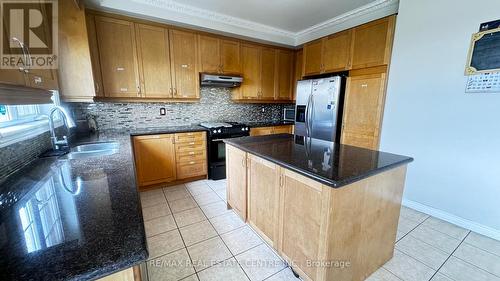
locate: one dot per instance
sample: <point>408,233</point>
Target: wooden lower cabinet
<point>236,166</point>
<point>325,233</point>
<point>262,131</point>
<point>263,198</point>
<point>155,159</point>
<point>304,207</point>
<point>170,157</point>
<point>130,274</point>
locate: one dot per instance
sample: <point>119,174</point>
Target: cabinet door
<point>336,51</point>
<point>263,198</point>
<point>262,131</point>
<point>43,78</point>
<point>250,60</point>
<point>154,61</point>
<point>363,108</point>
<point>268,70</point>
<point>286,129</point>
<point>118,57</point>
<point>285,75</point>
<point>236,171</point>
<point>94,54</point>
<point>75,68</point>
<point>303,209</point>
<point>312,57</point>
<point>372,43</point>
<point>230,56</point>
<point>209,54</point>
<point>183,50</point>
<point>155,159</point>
<point>11,76</point>
<point>299,61</point>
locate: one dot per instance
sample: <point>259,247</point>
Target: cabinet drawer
<point>184,158</point>
<point>190,146</point>
<point>189,137</point>
<point>191,169</point>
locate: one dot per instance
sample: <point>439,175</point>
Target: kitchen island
<point>330,210</point>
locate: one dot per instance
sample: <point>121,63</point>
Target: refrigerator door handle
<point>311,115</point>
<point>308,110</point>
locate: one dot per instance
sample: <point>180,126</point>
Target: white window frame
<point>27,127</point>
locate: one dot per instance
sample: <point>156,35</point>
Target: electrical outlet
<point>163,111</point>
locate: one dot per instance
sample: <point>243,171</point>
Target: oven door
<point>217,151</point>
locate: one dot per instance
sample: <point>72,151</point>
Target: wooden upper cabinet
<point>185,73</point>
<point>363,109</point>
<point>372,43</point>
<point>285,75</point>
<point>209,54</point>
<point>336,52</point>
<point>118,57</point>
<point>250,61</point>
<point>11,76</point>
<point>268,70</point>
<point>230,56</point>
<point>155,159</point>
<point>76,80</point>
<point>219,55</point>
<point>154,61</point>
<point>299,61</point>
<point>313,58</point>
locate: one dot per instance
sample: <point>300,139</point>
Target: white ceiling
<point>282,22</point>
<point>289,15</point>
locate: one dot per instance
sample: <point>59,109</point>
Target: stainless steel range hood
<point>215,80</point>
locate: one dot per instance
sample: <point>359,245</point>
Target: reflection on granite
<point>330,163</point>
<point>66,219</point>
<point>268,123</point>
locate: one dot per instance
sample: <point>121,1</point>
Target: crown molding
<point>369,12</point>
<point>190,16</point>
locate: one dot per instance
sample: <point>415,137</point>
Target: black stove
<point>218,131</point>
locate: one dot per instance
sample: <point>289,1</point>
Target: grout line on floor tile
<point>410,230</point>
<point>184,243</point>
<point>449,257</point>
<point>495,254</point>
<point>401,278</point>
<point>482,269</point>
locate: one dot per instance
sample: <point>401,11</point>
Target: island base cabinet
<point>236,171</point>
<point>263,198</point>
<point>324,233</point>
<point>304,211</point>
<point>339,233</point>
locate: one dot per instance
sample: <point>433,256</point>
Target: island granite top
<point>332,164</point>
<point>64,219</point>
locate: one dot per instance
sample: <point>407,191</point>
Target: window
<point>11,115</point>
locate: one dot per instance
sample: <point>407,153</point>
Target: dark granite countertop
<point>332,164</point>
<point>268,123</point>
<point>66,219</point>
<point>167,130</point>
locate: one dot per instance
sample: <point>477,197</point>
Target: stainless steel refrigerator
<point>318,109</point>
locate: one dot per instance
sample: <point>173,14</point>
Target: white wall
<point>453,136</point>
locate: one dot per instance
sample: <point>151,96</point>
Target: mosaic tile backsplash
<point>215,105</point>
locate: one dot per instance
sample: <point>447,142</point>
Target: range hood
<point>215,80</point>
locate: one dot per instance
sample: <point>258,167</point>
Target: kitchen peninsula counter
<point>330,210</point>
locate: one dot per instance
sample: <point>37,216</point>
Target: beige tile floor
<point>192,236</point>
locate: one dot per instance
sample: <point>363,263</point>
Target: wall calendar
<point>484,83</point>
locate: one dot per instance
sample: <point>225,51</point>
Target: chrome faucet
<point>68,122</point>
